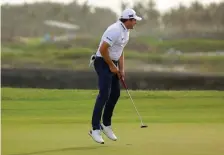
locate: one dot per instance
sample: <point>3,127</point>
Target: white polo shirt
<point>117,35</point>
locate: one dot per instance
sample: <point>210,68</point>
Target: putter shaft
<point>125,86</point>
<point>135,107</point>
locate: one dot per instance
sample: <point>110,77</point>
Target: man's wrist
<point>122,70</point>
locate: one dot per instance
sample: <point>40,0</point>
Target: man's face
<point>131,23</point>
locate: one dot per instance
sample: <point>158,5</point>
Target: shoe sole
<point>94,139</point>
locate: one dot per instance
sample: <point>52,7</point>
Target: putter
<point>125,86</point>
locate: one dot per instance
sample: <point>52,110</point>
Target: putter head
<point>144,126</point>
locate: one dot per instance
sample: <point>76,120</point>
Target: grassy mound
<point>75,55</point>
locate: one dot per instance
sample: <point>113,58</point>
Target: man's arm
<point>121,62</point>
<point>110,37</point>
<point>105,54</point>
<point>121,65</point>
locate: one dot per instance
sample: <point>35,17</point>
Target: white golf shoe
<point>95,134</point>
<point>107,130</point>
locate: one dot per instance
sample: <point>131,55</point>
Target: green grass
<point>56,122</point>
<point>192,45</point>
<point>184,45</point>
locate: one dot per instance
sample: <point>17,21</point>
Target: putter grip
<point>124,85</point>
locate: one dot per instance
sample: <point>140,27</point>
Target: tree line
<point>28,19</point>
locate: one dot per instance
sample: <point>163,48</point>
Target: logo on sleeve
<point>109,39</point>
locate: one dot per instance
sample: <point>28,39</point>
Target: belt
<point>115,61</point>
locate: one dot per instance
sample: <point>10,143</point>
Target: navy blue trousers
<point>109,93</point>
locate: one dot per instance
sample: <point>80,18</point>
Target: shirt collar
<point>123,26</point>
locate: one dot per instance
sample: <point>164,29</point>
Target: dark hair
<point>124,20</point>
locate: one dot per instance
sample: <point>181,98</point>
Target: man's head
<point>129,18</point>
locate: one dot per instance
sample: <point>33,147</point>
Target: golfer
<point>109,66</point>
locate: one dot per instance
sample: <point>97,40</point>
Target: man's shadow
<point>79,148</point>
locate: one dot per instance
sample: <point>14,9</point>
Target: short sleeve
<point>111,36</point>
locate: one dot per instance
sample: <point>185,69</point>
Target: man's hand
<point>114,69</point>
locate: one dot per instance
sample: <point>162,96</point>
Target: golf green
<point>56,122</point>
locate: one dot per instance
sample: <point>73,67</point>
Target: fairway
<point>56,122</point>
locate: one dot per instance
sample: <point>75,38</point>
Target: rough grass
<point>77,58</point>
<point>192,45</point>
<point>56,122</point>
